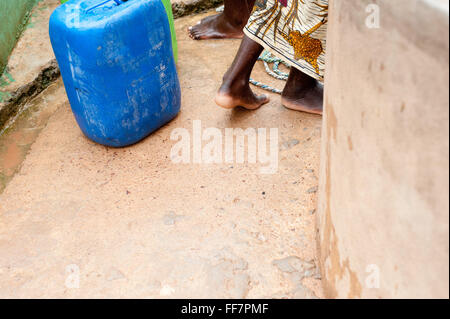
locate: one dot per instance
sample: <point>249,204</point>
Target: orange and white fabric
<point>293,30</point>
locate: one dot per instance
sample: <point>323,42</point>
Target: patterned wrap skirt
<point>293,30</point>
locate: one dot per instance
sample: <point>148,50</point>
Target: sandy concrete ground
<point>35,38</point>
<point>32,65</point>
<point>130,223</point>
<point>17,139</point>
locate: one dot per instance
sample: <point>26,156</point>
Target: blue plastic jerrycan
<point>117,65</point>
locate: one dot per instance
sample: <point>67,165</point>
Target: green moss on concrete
<point>6,79</point>
<point>13,16</point>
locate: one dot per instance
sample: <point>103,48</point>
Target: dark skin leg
<point>235,90</point>
<point>226,25</point>
<point>301,93</point>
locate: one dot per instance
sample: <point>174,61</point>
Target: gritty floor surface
<point>83,220</point>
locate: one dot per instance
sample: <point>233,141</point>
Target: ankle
<point>298,87</point>
<point>233,84</point>
<point>235,22</point>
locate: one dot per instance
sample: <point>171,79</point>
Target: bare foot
<point>234,95</point>
<point>303,93</point>
<point>216,27</point>
<point>235,90</point>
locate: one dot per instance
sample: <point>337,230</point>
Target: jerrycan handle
<point>119,2</point>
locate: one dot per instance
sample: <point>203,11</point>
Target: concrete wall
<point>12,16</point>
<point>384,205</point>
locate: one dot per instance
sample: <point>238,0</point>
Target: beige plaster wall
<point>383,207</point>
